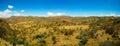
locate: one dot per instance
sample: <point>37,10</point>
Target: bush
<point>109,30</point>
<point>117,42</point>
<point>43,35</point>
<point>2,32</point>
<point>67,31</point>
<point>80,44</point>
<point>106,43</point>
<point>79,37</point>
<point>26,43</point>
<point>83,37</point>
<point>92,33</point>
<point>41,38</point>
<point>84,40</point>
<point>54,39</point>
<point>42,42</point>
<point>20,41</point>
<point>115,35</point>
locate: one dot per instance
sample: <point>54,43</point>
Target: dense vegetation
<point>60,31</point>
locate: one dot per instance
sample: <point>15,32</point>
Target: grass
<point>54,31</point>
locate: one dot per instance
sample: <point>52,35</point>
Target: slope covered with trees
<point>60,31</point>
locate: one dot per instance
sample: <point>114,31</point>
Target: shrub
<point>20,41</point>
<point>106,43</point>
<point>79,37</point>
<point>2,32</point>
<point>43,35</point>
<point>54,39</point>
<point>80,44</point>
<point>109,30</point>
<point>42,42</point>
<point>26,43</point>
<point>115,35</point>
<point>67,31</point>
<point>84,40</point>
<point>39,36</point>
<point>92,33</point>
<point>83,37</point>
<point>117,42</point>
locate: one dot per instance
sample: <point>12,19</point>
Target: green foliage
<point>43,35</point>
<point>115,35</point>
<point>79,37</point>
<point>4,28</point>
<point>42,42</point>
<point>26,43</point>
<point>92,33</point>
<point>20,41</point>
<point>67,31</point>
<point>82,35</point>
<point>84,38</point>
<point>54,39</point>
<point>109,30</point>
<point>2,32</point>
<point>41,38</point>
<point>80,44</point>
<point>117,42</point>
<point>106,43</point>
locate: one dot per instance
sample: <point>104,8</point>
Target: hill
<point>60,31</point>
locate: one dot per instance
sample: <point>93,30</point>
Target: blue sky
<point>62,7</point>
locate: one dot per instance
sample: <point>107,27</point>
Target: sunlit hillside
<point>59,31</point>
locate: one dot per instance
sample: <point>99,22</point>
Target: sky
<point>59,7</point>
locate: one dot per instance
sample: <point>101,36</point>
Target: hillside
<point>60,31</point>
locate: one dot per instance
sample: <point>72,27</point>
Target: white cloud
<point>59,14</point>
<point>50,13</point>
<point>2,14</point>
<point>54,14</point>
<point>10,6</point>
<point>112,14</point>
<point>22,11</point>
<point>7,11</point>
<point>16,14</point>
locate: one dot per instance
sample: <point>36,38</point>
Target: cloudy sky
<point>59,7</point>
